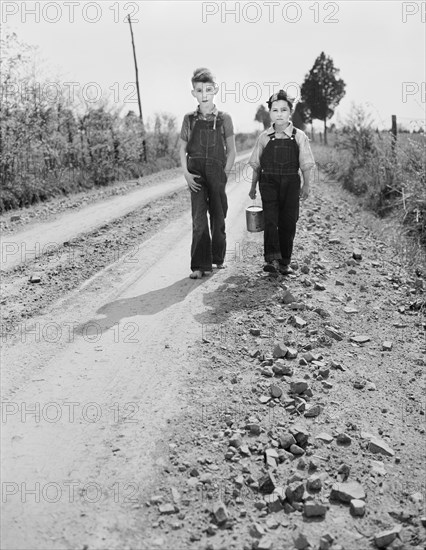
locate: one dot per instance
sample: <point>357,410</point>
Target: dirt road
<point>115,353</point>
<point>119,412</point>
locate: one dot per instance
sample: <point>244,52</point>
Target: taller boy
<point>207,154</point>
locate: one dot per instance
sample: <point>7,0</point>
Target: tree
<point>262,115</point>
<point>300,116</point>
<point>322,90</point>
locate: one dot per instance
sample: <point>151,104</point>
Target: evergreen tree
<point>322,90</point>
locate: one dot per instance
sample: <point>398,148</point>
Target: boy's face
<point>204,93</point>
<point>280,113</point>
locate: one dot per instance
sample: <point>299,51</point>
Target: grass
<point>389,181</point>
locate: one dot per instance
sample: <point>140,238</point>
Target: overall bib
<point>280,189</point>
<point>207,159</point>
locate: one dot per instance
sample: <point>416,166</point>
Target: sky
<point>253,47</point>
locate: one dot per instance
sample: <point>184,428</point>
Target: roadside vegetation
<point>53,144</point>
<point>388,176</point>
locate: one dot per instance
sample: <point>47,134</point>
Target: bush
<point>390,177</point>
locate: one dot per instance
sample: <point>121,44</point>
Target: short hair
<point>281,94</point>
<point>202,75</point>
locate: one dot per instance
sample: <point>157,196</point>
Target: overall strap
<point>193,117</point>
<point>293,134</point>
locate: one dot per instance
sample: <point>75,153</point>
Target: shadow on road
<point>236,294</point>
<point>146,304</point>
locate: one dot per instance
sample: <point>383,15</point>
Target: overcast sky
<point>379,47</point>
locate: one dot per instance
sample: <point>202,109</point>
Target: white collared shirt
<point>306,158</point>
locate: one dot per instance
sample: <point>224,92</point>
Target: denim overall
<point>207,159</point>
<point>280,189</point>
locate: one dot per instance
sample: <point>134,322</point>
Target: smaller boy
<point>207,154</point>
<point>278,155</point>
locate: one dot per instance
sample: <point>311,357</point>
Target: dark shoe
<point>272,267</point>
<point>220,266</point>
<point>286,270</point>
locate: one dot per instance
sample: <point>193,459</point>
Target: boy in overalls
<point>278,155</point>
<point>207,153</point>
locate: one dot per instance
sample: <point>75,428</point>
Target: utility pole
<point>394,132</point>
<point>137,85</point>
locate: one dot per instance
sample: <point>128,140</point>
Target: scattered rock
<point>220,512</point>
<point>257,530</point>
<point>298,386</point>
<point>387,346</point>
<point>276,391</point>
<point>357,507</point>
<point>344,439</point>
<point>298,322</point>
<point>359,384</point>
<point>362,339</point>
<point>385,538</point>
<point>333,333</point>
<point>314,482</point>
<point>255,331</point>
<point>350,310</point>
<point>280,350</point>
<point>35,278</point>
<point>288,298</point>
<point>294,491</point>
<point>282,369</point>
<point>291,353</point>
<point>325,542</point>
<point>286,440</point>
<point>343,472</point>
<point>377,445</point>
<point>267,483</point>
<point>314,508</point>
<point>235,440</point>
<point>345,492</point>
<point>313,411</point>
<point>300,541</point>
<point>253,428</point>
<point>167,509</point>
<point>327,438</point>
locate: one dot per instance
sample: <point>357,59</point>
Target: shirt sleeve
<point>184,133</point>
<point>306,158</point>
<point>254,160</point>
<point>228,126</point>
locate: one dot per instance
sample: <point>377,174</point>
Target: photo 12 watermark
<point>413,91</point>
<point>270,12</point>
<point>23,253</point>
<point>413,11</point>
<point>72,92</point>
<point>52,12</point>
<point>69,412</point>
<point>71,491</point>
<point>92,332</point>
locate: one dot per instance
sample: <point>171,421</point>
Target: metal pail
<point>254,219</point>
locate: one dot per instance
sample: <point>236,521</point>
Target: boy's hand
<point>192,184</point>
<point>304,193</point>
<point>252,193</point>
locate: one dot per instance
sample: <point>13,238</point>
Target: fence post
<point>394,132</point>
